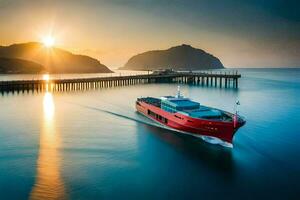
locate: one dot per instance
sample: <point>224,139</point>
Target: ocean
<point>93,145</point>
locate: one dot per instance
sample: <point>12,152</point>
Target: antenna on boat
<point>178,95</point>
<point>235,116</point>
<point>237,103</point>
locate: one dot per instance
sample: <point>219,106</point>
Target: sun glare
<point>48,105</point>
<point>46,77</point>
<point>48,41</point>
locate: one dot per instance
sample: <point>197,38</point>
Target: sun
<point>48,41</point>
<point>46,77</point>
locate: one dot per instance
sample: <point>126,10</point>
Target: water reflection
<point>49,183</point>
<point>48,107</point>
<point>218,158</point>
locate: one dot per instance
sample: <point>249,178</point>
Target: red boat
<point>183,115</point>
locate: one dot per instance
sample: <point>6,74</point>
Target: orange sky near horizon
<point>113,31</point>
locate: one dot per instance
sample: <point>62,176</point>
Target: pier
<point>222,79</point>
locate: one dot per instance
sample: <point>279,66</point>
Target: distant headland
<point>34,57</point>
<point>19,66</point>
<point>183,57</point>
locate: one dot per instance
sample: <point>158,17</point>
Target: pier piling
<point>213,79</point>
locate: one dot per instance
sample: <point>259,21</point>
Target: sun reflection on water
<point>46,77</point>
<point>48,107</point>
<point>49,183</point>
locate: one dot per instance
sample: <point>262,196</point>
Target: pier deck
<point>213,79</point>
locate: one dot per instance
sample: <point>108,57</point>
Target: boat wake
<point>208,139</point>
<point>117,114</point>
<point>214,140</point>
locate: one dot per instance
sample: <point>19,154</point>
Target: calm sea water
<point>8,77</point>
<point>93,145</point>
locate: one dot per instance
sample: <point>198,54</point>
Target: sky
<point>246,33</point>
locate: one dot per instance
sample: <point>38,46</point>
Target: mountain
<point>183,57</point>
<point>19,66</point>
<point>54,60</point>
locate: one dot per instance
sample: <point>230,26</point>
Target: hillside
<point>54,60</point>
<point>19,66</point>
<point>183,57</point>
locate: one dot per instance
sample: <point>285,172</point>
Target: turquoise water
<point>93,145</point>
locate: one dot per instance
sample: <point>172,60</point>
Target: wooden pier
<point>212,79</point>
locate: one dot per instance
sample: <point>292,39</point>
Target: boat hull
<point>206,129</point>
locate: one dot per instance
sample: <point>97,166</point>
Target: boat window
<point>177,117</point>
<point>151,113</point>
<point>165,120</point>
